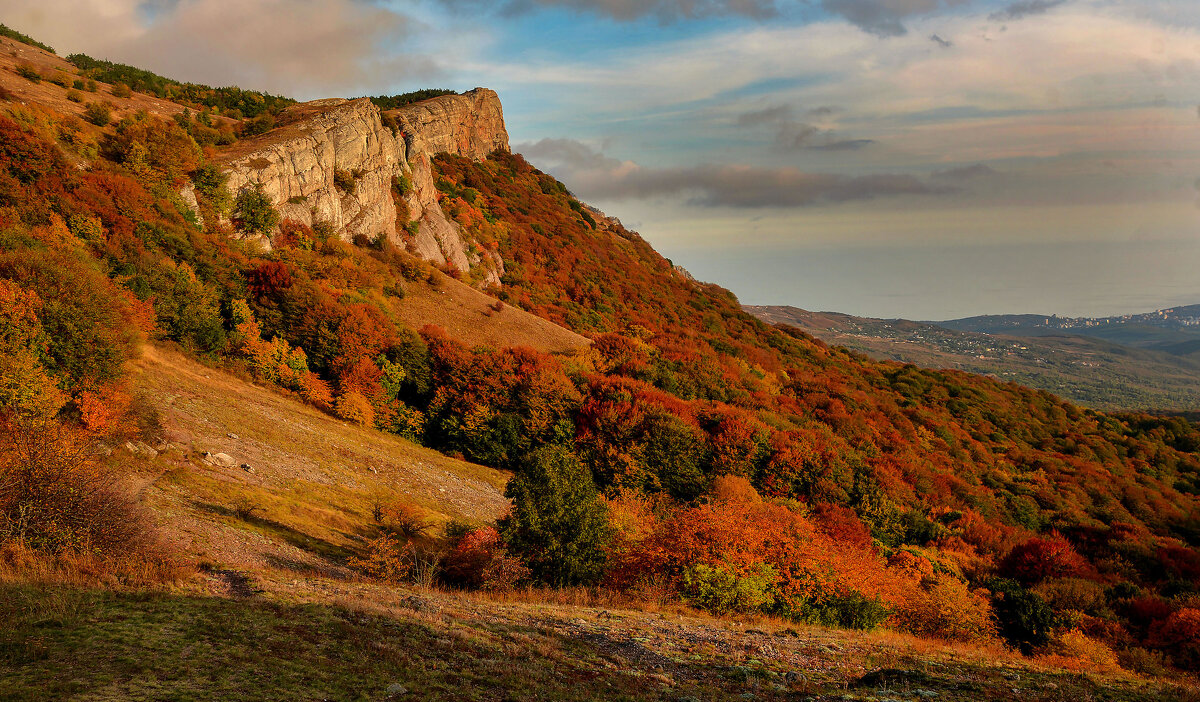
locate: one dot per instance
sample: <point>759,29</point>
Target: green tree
<point>254,212</point>
<point>559,525</point>
<point>1024,617</point>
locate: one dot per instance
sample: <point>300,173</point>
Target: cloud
<point>844,145</point>
<point>792,134</point>
<point>1020,10</point>
<point>627,10</point>
<point>599,177</point>
<point>309,47</point>
<point>944,43</point>
<point>956,175</point>
<point>885,18</point>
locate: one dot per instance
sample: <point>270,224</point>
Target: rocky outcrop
<point>334,161</point>
<point>470,125</point>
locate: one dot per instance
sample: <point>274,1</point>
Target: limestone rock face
<point>470,125</point>
<point>297,165</point>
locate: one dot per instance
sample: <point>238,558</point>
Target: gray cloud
<point>963,173</point>
<point>792,134</point>
<point>1020,10</point>
<point>626,10</point>
<point>844,145</point>
<point>596,176</point>
<point>944,43</point>
<point>883,18</point>
<point>305,47</point>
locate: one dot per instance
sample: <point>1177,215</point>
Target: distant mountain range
<point>1148,361</point>
<point>1175,331</point>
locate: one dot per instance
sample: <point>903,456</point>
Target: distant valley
<point>1148,361</point>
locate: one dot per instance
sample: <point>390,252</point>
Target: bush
<point>98,113</point>
<point>849,610</point>
<point>29,73</point>
<point>121,90</point>
<point>55,498</point>
<point>948,609</point>
<point>253,211</point>
<point>1024,618</point>
<point>558,526</point>
<point>479,560</point>
<point>386,559</point>
<point>210,182</point>
<point>344,180</point>
<point>353,407</point>
<point>259,125</point>
<point>74,95</point>
<point>401,519</point>
<point>720,591</point>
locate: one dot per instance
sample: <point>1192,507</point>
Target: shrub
<point>1179,636</point>
<point>29,73</point>
<point>259,125</point>
<point>948,609</point>
<point>210,182</point>
<point>720,591</point>
<point>55,498</point>
<point>1024,618</point>
<point>344,180</point>
<point>353,407</point>
<point>401,519</point>
<point>1043,557</point>
<point>121,90</point>
<point>848,610</point>
<point>78,84</point>
<point>558,526</point>
<point>385,559</point>
<point>479,560</point>
<point>74,95</point>
<point>1086,653</point>
<point>253,212</point>
<point>98,113</point>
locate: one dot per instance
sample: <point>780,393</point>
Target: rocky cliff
<point>335,161</point>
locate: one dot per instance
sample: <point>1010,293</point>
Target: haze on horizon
<point>927,159</point>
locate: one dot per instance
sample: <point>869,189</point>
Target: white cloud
<point>305,47</point>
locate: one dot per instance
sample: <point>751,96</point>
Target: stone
<point>296,165</point>
<point>141,448</point>
<point>396,690</point>
<point>233,436</point>
<point>223,460</point>
<point>247,467</point>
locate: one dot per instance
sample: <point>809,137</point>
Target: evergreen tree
<point>558,525</point>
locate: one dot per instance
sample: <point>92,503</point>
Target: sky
<point>928,159</point>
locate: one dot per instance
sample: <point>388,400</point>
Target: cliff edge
<point>335,161</point>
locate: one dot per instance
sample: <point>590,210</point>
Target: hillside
<point>603,429</point>
<point>1173,331</point>
<point>272,545</point>
<point>1083,369</point>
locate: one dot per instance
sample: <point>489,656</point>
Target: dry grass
<point>310,499</point>
<point>471,317</point>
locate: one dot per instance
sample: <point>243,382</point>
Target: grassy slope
<point>315,478</point>
<point>311,638</point>
<point>466,314</point>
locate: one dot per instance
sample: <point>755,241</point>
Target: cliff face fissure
<point>307,168</point>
